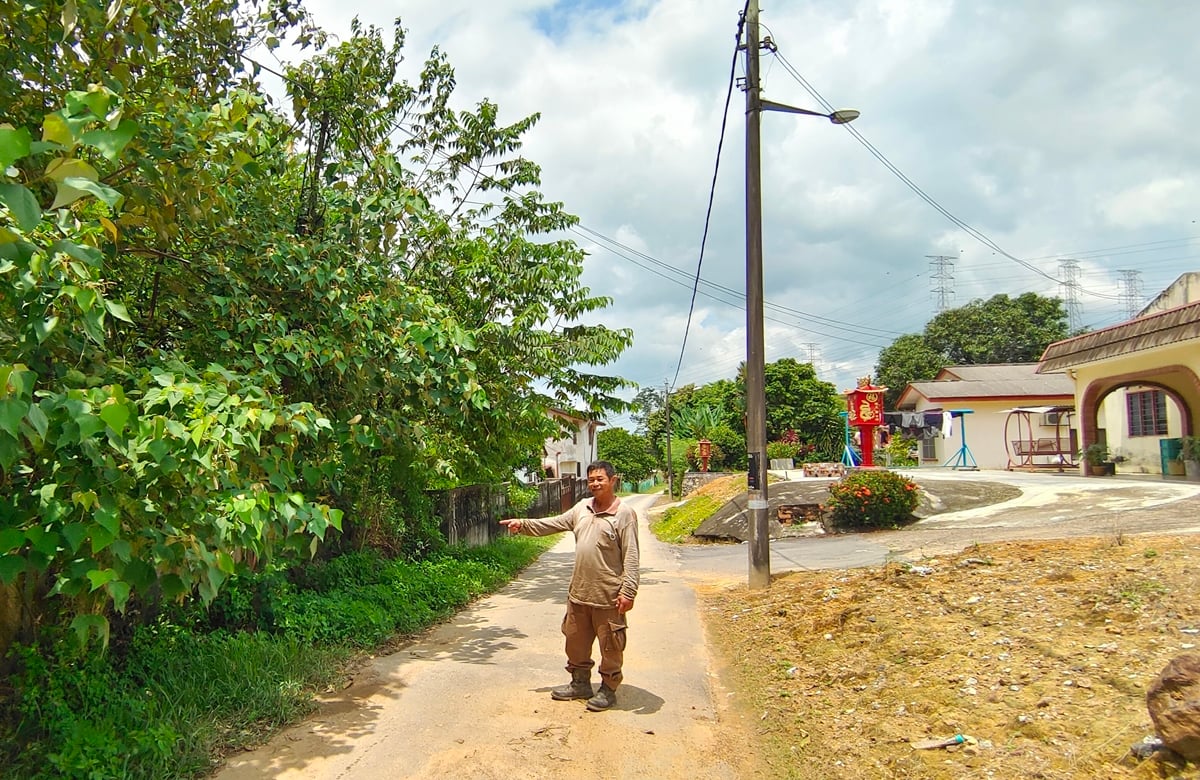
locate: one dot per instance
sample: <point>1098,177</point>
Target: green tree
<point>212,347</point>
<point>797,400</point>
<point>629,453</point>
<point>646,403</point>
<point>998,330</point>
<point>907,359</point>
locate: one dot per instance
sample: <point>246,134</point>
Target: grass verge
<point>178,693</point>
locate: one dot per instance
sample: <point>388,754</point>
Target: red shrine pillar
<point>864,410</point>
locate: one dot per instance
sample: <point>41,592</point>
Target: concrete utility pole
<point>670,463</point>
<point>756,400</point>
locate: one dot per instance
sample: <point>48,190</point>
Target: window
<point>928,449</point>
<point>1147,413</point>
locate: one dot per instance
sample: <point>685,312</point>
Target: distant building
<point>571,453</point>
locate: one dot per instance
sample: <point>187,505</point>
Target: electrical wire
<point>712,191</point>
<point>970,230</point>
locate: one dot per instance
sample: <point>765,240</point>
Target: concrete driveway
<point>1051,506</point>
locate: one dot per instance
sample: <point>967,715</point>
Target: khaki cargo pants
<point>582,626</point>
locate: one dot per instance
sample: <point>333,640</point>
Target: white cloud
<point>1057,129</point>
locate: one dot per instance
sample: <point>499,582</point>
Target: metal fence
<point>470,515</point>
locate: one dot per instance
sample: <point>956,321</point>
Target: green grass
<point>194,684</point>
<point>678,522</point>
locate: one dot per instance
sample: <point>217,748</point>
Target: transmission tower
<point>1131,292</point>
<point>812,353</point>
<point>941,269</point>
<point>1070,293</point>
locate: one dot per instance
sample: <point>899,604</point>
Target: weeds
<point>197,683</point>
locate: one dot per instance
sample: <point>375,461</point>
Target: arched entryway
<point>1177,383</point>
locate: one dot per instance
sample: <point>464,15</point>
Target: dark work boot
<point>604,698</point>
<point>580,686</point>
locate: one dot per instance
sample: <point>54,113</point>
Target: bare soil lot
<point>1040,651</point>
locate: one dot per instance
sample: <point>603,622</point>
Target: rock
<point>1173,700</point>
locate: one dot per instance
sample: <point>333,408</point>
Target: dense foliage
<point>228,332</point>
<point>798,404</point>
<point>192,683</point>
<point>872,499</point>
<point>629,453</point>
<point>997,330</point>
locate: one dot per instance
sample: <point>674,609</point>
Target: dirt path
<point>470,699</point>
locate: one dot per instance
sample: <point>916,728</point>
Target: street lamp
<point>756,401</point>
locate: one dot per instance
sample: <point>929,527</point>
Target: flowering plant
<point>875,499</point>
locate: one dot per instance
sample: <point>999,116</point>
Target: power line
<point>973,232</point>
<point>712,190</point>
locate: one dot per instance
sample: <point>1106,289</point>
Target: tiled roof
<point>1137,335</point>
<point>1047,386</point>
<point>989,371</point>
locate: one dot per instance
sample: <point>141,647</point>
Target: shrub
<point>871,499</point>
<point>782,450</point>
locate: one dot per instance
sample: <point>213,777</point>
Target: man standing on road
<point>603,586</point>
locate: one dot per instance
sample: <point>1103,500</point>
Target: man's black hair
<point>602,465</point>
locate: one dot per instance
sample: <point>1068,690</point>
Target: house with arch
<point>1137,383</point>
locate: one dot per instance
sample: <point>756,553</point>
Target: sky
<point>1037,146</point>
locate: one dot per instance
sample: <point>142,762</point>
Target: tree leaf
<point>11,539</point>
<point>110,142</point>
<point>74,533</point>
<point>118,310</point>
<point>72,188</point>
<point>11,567</point>
<point>14,144</point>
<point>119,592</point>
<point>12,411</point>
<point>116,415</point>
<point>56,130</point>
<point>70,15</point>
<point>22,204</point>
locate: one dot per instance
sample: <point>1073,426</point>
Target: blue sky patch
<point>556,20</point>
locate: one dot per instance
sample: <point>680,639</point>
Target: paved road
<point>1050,506</point>
<point>469,700</point>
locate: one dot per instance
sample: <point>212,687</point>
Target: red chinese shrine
<point>864,410</point>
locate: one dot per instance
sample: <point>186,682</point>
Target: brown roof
<point>988,371</point>
<point>1045,387</point>
<point>1137,335</point>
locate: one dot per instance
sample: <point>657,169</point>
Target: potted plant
<point>1189,453</point>
<point>1095,456</point>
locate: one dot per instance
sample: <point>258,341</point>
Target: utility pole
<point>670,463</point>
<point>756,400</point>
<point>756,412</point>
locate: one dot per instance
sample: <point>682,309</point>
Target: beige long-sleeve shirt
<point>606,551</point>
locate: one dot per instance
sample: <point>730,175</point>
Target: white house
<point>996,436</point>
<point>575,449</point>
